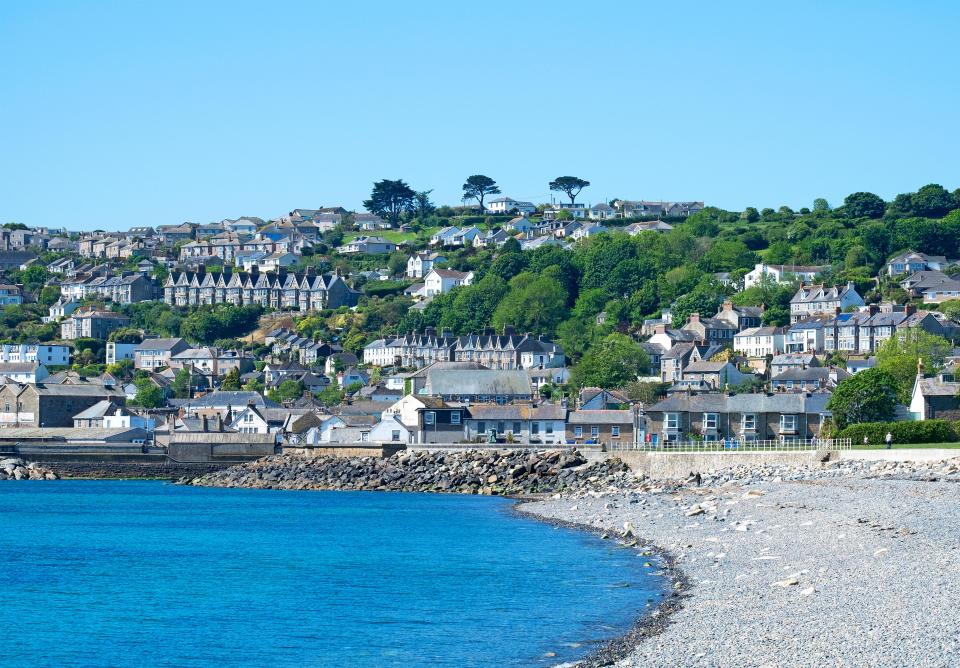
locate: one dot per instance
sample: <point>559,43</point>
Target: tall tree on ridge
<point>479,186</point>
<point>390,199</point>
<point>572,185</point>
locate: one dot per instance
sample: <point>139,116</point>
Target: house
<point>911,262</point>
<point>711,330</point>
<point>760,342</point>
<point>226,403</point>
<point>740,417</point>
<point>444,236</point>
<point>807,335</point>
<point>855,366</point>
<point>107,414</point>
<point>602,212</point>
<point>945,290</point>
<point>781,274</point>
<point>595,398</point>
<point>15,259</point>
<point>22,372</point>
<point>517,423</point>
<point>153,354</point>
<point>442,281</point>
<point>555,377</point>
<point>917,283</point>
<point>295,291</point>
<point>369,222</point>
<point>504,205</point>
<point>519,224</point>
<point>211,361</point>
<point>792,361</point>
<point>352,376</point>
<point>368,246</point>
<point>92,324</point>
<point>430,418</point>
<point>492,239</point>
<point>716,375</point>
<point>213,444</point>
<point>741,317</point>
<point>120,351</point>
<point>679,356</point>
<point>420,264</point>
<point>610,427</point>
<point>10,294</point>
<point>338,362</point>
<point>50,354</point>
<point>587,231</point>
<point>391,430</point>
<point>819,299</point>
<point>811,379</point>
<point>936,398</point>
<point>634,229</point>
<point>666,338</point>
<point>49,405</point>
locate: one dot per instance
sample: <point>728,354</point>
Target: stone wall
<point>679,465</point>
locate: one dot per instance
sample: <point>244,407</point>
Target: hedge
<point>923,431</point>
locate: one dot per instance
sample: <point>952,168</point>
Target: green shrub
<point>923,431</point>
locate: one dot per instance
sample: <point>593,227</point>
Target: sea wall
<point>507,472</point>
<point>679,465</point>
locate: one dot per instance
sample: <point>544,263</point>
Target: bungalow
<point>602,212</point>
<point>503,205</point>
<point>781,273</point>
<point>587,231</point>
<point>811,379</point>
<point>10,294</point>
<point>369,222</point>
<point>717,375</point>
<point>22,372</point>
<point>368,246</point>
<point>519,224</point>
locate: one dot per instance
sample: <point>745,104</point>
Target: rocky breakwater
<point>17,469</point>
<point>501,472</point>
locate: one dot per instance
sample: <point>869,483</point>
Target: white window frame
<point>713,418</point>
<point>784,422</point>
<point>615,431</point>
<point>749,422</point>
<point>455,417</point>
<point>671,421</point>
<point>429,417</point>
<point>578,431</point>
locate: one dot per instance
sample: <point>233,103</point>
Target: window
<point>501,428</point>
<point>517,428</point>
<point>549,429</point>
<point>749,422</point>
<point>711,421</point>
<point>578,431</point>
<point>788,423</point>
<point>365,436</point>
<point>455,417</point>
<point>672,421</point>
<point>594,431</point>
<point>429,417</point>
<point>481,427</point>
<point>395,435</point>
<point>615,432</point>
<point>534,427</point>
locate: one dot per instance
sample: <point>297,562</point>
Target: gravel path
<point>836,570</point>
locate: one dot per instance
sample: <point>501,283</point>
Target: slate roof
<point>478,382</point>
<point>600,417</point>
<point>744,403</point>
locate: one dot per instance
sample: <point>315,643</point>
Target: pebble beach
<point>852,564</point>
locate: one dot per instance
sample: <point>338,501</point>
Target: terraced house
<point>304,292</point>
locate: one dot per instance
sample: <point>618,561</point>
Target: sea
<point>147,573</point>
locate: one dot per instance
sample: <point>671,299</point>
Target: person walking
<point>889,440</point>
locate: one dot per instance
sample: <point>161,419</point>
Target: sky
<point>115,114</point>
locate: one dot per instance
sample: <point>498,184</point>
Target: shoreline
<point>650,621</point>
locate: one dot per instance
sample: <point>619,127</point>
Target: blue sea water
<point>143,573</point>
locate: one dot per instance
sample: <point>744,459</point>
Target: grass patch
<point>908,446</point>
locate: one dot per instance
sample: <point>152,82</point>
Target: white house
<point>503,205</point>
<point>420,264</point>
<point>250,421</point>
<point>120,351</point>
<point>911,262</point>
<point>442,281</point>
<point>602,212</point>
<point>587,231</point>
<point>63,308</point>
<point>391,430</point>
<point>760,341</point>
<point>781,273</point>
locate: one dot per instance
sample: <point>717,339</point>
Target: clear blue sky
<point>126,113</point>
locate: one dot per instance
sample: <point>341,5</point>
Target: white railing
<point>737,445</point>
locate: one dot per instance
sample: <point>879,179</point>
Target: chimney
<point>694,317</point>
<point>219,423</point>
<point>920,367</point>
<point>873,309</point>
<point>837,310</point>
<point>727,305</point>
<point>659,329</point>
<point>910,309</point>
<point>203,422</point>
<point>508,330</point>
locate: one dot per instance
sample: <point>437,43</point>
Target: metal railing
<point>737,445</point>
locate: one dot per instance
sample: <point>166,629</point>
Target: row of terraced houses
<point>293,291</point>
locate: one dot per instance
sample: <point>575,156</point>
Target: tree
<point>49,295</point>
<point>287,391</point>
<point>750,214</point>
<point>149,394</point>
<point>231,382</point>
<point>820,205</point>
<point>534,304</point>
<point>389,199</point>
<point>422,206</point>
<point>571,185</point>
<point>869,396</point>
<point>479,186</point>
<point>646,393</point>
<point>126,335</point>
<point>933,201</point>
<point>864,205</point>
<point>612,362</point>
<point>180,386</point>
<point>900,354</point>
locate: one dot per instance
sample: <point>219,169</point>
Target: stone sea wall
<point>501,472</point>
